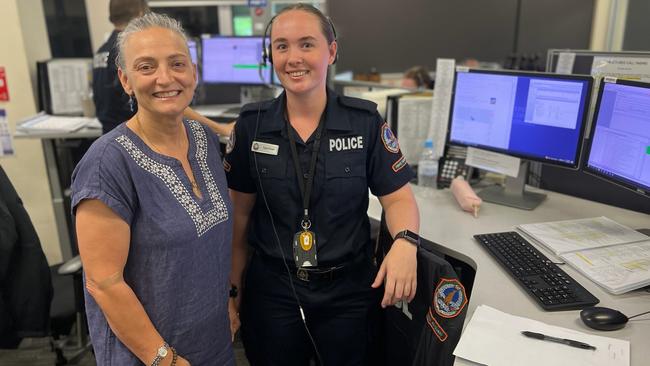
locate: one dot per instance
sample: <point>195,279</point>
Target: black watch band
<point>233,291</point>
<point>410,236</point>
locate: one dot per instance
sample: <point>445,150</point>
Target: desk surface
<point>83,133</point>
<point>443,222</point>
<point>218,110</point>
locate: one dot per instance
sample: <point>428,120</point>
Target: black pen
<point>568,342</point>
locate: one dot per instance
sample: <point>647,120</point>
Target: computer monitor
<point>234,60</point>
<point>618,149</point>
<point>194,53</point>
<point>533,116</point>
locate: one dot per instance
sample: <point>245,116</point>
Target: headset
<point>267,56</point>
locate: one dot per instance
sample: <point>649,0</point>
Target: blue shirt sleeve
<point>103,175</point>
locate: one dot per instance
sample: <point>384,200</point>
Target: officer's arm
<point>223,129</point>
<point>242,207</point>
<point>399,269</point>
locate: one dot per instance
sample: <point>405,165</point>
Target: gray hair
<point>149,20</point>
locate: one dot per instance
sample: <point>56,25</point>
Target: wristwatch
<point>410,236</point>
<point>233,291</point>
<point>160,354</point>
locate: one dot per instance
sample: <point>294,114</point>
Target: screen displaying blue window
<point>619,146</point>
<point>535,116</point>
<point>194,54</point>
<point>234,60</point>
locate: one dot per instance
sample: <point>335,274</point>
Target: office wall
<point>19,42</point>
<point>98,25</point>
<point>393,36</point>
<point>637,26</point>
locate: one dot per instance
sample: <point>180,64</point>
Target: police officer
<point>299,168</point>
<point>112,104</point>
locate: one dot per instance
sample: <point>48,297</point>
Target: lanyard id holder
<point>304,247</point>
<point>304,241</point>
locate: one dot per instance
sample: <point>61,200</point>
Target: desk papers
<point>45,123</point>
<point>612,255</point>
<point>494,338</point>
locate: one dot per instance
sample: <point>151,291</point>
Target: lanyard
<point>306,187</point>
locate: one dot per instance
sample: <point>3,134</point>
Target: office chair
<point>412,333</point>
<point>37,300</point>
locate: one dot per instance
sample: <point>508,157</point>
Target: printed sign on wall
<point>4,90</point>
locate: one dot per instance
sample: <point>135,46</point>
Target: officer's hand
<point>233,314</point>
<point>399,273</point>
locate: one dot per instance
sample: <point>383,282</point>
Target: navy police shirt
<point>111,102</point>
<point>357,151</point>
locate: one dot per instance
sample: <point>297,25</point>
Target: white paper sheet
<point>414,116</point>
<point>493,162</point>
<point>618,269</point>
<point>494,338</point>
<point>445,69</point>
<point>6,144</point>
<point>69,80</point>
<point>565,61</point>
<point>572,235</point>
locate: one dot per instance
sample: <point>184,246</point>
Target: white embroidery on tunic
<point>204,221</point>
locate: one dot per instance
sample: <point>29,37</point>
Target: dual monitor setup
<point>543,117</point>
<point>230,60</point>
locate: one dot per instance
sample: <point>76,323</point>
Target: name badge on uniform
<point>304,249</point>
<point>264,148</point>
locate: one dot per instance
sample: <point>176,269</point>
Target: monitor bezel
<point>260,83</point>
<point>615,179</point>
<point>579,149</point>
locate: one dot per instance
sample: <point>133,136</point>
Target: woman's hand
<point>233,314</point>
<point>180,361</point>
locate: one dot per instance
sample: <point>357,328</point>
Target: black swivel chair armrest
<point>71,267</point>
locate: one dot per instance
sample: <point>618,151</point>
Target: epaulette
<point>254,107</point>
<point>357,103</point>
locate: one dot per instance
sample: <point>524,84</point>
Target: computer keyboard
<point>543,280</point>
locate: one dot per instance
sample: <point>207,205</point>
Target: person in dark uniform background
<point>112,105</point>
<point>299,168</point>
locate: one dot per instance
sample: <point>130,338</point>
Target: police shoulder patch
<point>449,298</point>
<point>389,139</point>
<point>231,142</point>
<point>435,327</point>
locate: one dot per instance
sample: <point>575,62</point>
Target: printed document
<point>494,338</point>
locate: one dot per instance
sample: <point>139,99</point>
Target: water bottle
<point>427,166</point>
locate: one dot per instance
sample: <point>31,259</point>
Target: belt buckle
<point>302,274</point>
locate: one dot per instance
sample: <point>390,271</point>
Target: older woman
<point>153,216</point>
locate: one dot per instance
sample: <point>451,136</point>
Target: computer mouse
<point>603,318</point>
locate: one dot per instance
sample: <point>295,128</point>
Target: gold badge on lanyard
<point>304,247</point>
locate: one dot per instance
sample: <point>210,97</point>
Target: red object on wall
<point>4,90</point>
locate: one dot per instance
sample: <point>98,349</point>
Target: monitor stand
<point>513,194</point>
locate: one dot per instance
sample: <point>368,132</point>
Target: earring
<point>131,102</point>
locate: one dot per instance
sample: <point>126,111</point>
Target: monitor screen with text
<point>619,144</point>
<point>234,60</point>
<point>535,116</point>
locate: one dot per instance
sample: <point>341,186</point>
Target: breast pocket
<point>271,175</point>
<point>346,186</point>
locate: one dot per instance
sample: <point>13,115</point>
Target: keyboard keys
<point>543,280</point>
